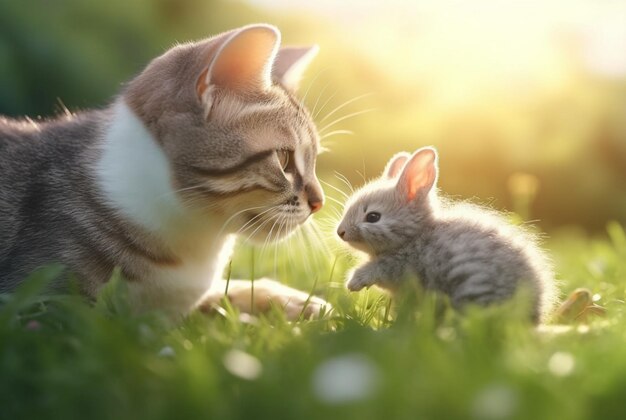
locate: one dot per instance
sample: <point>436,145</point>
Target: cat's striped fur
<point>468,252</point>
<point>207,142</point>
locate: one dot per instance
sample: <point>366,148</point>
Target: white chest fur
<point>178,290</point>
<point>134,176</point>
<point>134,173</point>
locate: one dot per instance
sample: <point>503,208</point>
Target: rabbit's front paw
<point>362,277</point>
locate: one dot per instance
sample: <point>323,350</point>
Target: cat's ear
<point>395,164</point>
<point>419,174</point>
<point>242,63</point>
<point>291,63</point>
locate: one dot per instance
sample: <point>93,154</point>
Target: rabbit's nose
<point>341,233</point>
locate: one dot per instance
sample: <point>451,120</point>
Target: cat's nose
<point>315,205</point>
<point>315,196</point>
<point>341,232</point>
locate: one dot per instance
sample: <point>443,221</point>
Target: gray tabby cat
<point>208,141</point>
<point>467,252</point>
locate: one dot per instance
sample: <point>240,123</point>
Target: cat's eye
<point>372,217</point>
<point>283,158</point>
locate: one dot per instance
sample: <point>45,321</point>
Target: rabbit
<point>468,252</point>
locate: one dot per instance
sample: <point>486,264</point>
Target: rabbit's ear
<point>419,174</point>
<point>395,165</point>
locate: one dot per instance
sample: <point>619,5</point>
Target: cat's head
<point>240,145</point>
<point>390,210</point>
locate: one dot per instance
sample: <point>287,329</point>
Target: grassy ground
<point>61,358</point>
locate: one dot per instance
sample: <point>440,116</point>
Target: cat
<point>207,141</point>
<point>465,251</point>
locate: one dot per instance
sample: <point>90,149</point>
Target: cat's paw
<point>360,279</point>
<point>270,294</point>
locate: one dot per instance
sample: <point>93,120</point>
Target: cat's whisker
<point>302,246</point>
<point>198,197</point>
<point>319,96</point>
<point>199,202</point>
<point>191,199</point>
<point>280,229</point>
<point>334,200</point>
<point>346,196</point>
<point>320,242</point>
<point>345,117</point>
<point>337,133</point>
<point>324,148</point>
<point>266,221</point>
<point>334,211</point>
<point>288,226</point>
<point>173,192</point>
<point>238,213</point>
<point>262,247</point>
<point>316,231</point>
<point>330,223</point>
<point>253,220</point>
<point>257,220</point>
<point>290,247</point>
<point>268,237</point>
<point>306,255</point>
<point>332,218</point>
<point>323,239</point>
<point>345,180</point>
<point>328,226</point>
<point>317,75</point>
<point>317,248</point>
<point>254,228</point>
<point>362,174</point>
<point>343,105</point>
<point>257,226</point>
<point>245,210</point>
<point>319,111</point>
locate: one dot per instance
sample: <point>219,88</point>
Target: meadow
<point>63,357</point>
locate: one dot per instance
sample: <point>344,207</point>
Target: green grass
<point>63,358</point>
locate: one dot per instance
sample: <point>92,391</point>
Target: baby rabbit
<point>465,251</point>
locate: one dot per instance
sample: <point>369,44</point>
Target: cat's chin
<point>260,230</point>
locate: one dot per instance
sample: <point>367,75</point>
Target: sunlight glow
<point>463,51</point>
<point>561,364</point>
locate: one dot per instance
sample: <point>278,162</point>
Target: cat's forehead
<point>273,135</point>
<point>276,120</point>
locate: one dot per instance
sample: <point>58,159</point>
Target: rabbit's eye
<point>372,217</point>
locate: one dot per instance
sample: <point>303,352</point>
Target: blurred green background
<point>526,101</point>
